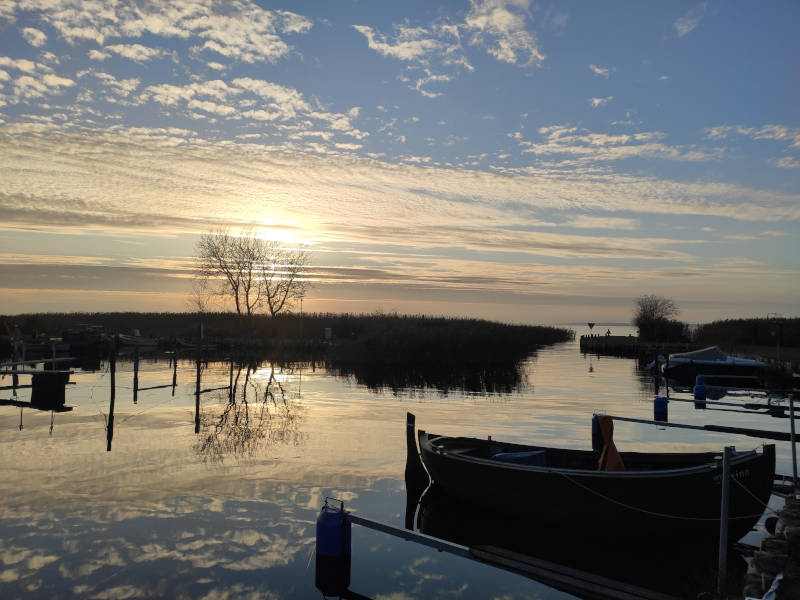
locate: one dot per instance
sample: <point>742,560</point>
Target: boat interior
<point>560,458</point>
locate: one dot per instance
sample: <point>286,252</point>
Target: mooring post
<point>135,375</point>
<point>794,450</point>
<point>723,522</point>
<point>15,377</point>
<point>174,367</point>
<point>230,384</point>
<point>197,396</point>
<point>112,367</point>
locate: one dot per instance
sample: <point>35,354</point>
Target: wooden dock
<point>629,346</point>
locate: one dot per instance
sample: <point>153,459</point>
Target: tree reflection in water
<point>260,413</point>
<point>497,378</point>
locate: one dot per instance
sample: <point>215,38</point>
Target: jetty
<point>630,346</point>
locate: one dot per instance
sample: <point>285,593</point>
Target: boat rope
<point>756,498</point>
<point>650,512</point>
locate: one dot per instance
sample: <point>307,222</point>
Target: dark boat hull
<point>653,503</point>
<point>685,566</point>
<point>688,371</point>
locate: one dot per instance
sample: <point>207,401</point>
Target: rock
<point>775,545</point>
<point>767,563</point>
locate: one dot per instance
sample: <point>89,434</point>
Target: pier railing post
<point>722,571</point>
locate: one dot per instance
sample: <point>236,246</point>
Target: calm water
<point>229,512</point>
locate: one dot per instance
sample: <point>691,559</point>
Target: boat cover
<point>712,353</point>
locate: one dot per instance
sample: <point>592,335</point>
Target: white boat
<point>711,362</point>
<point>137,340</point>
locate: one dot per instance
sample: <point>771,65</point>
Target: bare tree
<point>650,307</point>
<point>199,299</point>
<point>283,277</point>
<point>251,271</point>
<point>655,318</point>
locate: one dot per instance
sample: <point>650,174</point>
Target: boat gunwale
<point>744,457</point>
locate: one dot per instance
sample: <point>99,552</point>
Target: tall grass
<point>417,333</point>
<point>756,332</point>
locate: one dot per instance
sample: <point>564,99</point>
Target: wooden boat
<point>657,495</point>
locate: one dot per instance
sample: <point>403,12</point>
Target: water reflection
<point>684,568</point>
<point>496,378</point>
<point>161,517</point>
<point>259,412</point>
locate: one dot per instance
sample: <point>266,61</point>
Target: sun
<point>287,235</point>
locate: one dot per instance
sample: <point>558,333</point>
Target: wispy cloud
<point>586,146</point>
<point>409,43</point>
<point>599,71</point>
<point>500,27</point>
<point>434,51</point>
<point>592,222</point>
<point>787,162</point>
<point>690,21</point>
<point>595,102</point>
<point>782,133</point>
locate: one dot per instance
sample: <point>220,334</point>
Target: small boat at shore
<point>711,362</point>
<point>651,494</point>
<point>137,340</point>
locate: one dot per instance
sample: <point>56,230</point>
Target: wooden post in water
<point>135,375</point>
<point>794,449</point>
<point>197,397</point>
<point>722,571</point>
<point>112,367</point>
<point>174,368</point>
<point>230,384</point>
<point>15,377</point>
<point>197,382</point>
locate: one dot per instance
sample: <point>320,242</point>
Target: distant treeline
<point>755,332</point>
<point>383,337</point>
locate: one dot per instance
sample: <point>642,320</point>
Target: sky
<point>514,160</point>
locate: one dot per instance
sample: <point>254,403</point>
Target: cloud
<point>410,43</point>
<point>119,87</point>
<point>599,71</point>
<point>238,29</point>
<point>592,222</point>
<point>690,20</point>
<point>434,51</point>
<point>595,102</point>
<point>22,64</point>
<point>496,26</point>
<point>34,37</point>
<point>27,87</point>
<point>787,163</point>
<point>765,132</point>
<point>135,52</point>
<point>99,55</point>
<point>585,146</point>
<point>499,27</point>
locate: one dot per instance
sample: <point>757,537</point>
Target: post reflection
<point>259,413</point>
